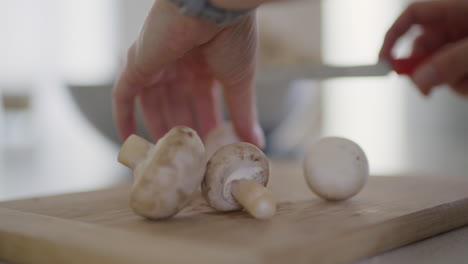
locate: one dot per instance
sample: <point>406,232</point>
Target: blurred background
<point>60,57</point>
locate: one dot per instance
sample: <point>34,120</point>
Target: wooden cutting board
<point>99,227</point>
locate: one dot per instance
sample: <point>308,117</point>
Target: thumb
<point>167,35</point>
<point>158,43</point>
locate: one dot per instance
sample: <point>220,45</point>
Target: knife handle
<point>407,66</point>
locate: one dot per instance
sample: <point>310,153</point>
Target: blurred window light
<point>354,30</point>
<point>367,110</point>
<point>22,39</point>
<point>89,40</point>
<point>65,38</point>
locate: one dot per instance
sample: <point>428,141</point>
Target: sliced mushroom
<point>336,168</point>
<point>220,136</point>
<point>167,174</point>
<point>235,178</point>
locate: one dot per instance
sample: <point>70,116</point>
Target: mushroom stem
<point>133,151</point>
<point>255,198</point>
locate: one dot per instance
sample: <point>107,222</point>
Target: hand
<point>445,31</point>
<point>173,67</point>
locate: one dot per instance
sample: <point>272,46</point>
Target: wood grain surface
<point>99,227</point>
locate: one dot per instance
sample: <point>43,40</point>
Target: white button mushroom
<point>336,168</point>
<point>167,174</point>
<point>220,136</point>
<point>235,177</point>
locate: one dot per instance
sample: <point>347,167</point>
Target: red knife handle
<point>408,65</point>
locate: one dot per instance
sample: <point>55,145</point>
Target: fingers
<point>422,13</point>
<point>206,103</point>
<point>428,42</point>
<point>232,59</point>
<point>166,35</point>
<point>449,65</point>
<point>205,95</point>
<point>152,101</point>
<point>156,47</point>
<point>461,87</point>
<point>179,106</point>
<point>240,100</point>
<point>123,103</point>
<point>129,84</point>
<point>169,105</point>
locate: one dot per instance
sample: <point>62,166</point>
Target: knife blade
<point>404,66</point>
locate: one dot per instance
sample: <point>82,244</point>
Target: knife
<point>404,66</point>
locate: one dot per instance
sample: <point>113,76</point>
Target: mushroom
<point>220,136</point>
<point>235,177</point>
<point>167,174</point>
<point>336,168</point>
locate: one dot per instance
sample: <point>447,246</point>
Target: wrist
<point>205,10</point>
<point>237,4</point>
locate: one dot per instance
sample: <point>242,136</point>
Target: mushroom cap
<point>172,171</point>
<point>336,168</point>
<point>233,162</point>
<point>220,136</point>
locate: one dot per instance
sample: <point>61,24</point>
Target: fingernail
<point>426,77</point>
<point>259,135</point>
<point>425,92</point>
